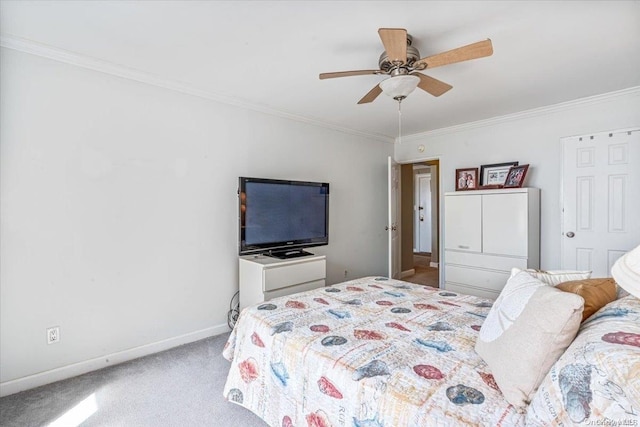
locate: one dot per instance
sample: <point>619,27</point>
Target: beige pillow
<point>527,329</point>
<point>554,277</point>
<point>596,293</point>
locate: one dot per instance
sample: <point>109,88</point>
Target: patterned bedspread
<point>366,353</point>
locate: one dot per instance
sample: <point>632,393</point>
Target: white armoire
<point>486,234</point>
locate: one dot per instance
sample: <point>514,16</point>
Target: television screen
<point>278,215</point>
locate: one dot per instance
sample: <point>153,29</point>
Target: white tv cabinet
<point>263,278</point>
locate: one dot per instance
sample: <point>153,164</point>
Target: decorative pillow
<point>527,329</point>
<point>596,379</point>
<point>626,271</point>
<point>554,277</point>
<point>596,293</point>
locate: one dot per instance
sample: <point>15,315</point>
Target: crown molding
<point>523,114</point>
<point>95,64</point>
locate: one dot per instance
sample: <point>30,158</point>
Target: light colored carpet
<point>178,387</point>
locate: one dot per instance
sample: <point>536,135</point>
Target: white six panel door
<point>601,199</point>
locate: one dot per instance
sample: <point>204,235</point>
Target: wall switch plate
<point>53,335</point>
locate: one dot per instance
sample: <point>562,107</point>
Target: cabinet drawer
<point>470,290</point>
<point>293,289</point>
<point>490,262</point>
<point>485,279</point>
<point>287,275</point>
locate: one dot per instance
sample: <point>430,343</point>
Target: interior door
<point>392,225</point>
<point>601,199</point>
<point>424,213</point>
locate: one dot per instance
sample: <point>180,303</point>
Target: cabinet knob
<point>570,234</point>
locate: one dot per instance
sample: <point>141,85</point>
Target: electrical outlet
<point>345,273</point>
<point>53,335</point>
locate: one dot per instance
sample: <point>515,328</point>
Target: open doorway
<point>419,194</point>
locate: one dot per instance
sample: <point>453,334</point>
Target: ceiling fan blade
<point>464,53</point>
<point>372,95</point>
<point>434,86</point>
<point>348,73</point>
<point>395,43</point>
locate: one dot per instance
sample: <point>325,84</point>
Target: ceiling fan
<point>402,62</point>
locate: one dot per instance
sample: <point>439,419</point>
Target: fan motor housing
<point>412,56</point>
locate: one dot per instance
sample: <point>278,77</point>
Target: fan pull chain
<point>399,121</point>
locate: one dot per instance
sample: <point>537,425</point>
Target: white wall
<point>530,137</point>
<point>119,212</point>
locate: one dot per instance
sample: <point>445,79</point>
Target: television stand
<point>289,254</point>
<point>263,277</point>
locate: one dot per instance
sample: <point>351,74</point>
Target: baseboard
<point>79,368</point>
<point>433,264</point>
<point>407,273</point>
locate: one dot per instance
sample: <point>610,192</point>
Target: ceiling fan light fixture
<point>399,87</point>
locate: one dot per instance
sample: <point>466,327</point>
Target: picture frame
<point>515,177</point>
<point>466,179</point>
<point>494,175</point>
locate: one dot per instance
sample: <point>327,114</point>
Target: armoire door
<point>463,222</point>
<point>505,223</point>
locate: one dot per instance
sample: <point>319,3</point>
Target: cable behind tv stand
<point>294,253</point>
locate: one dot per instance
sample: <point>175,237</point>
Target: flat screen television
<point>280,217</point>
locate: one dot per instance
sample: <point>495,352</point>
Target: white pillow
<point>527,329</point>
<point>626,272</point>
<point>554,277</point>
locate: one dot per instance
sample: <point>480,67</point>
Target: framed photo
<point>466,179</point>
<point>495,174</point>
<point>515,177</point>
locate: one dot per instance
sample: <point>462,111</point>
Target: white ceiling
<point>267,54</point>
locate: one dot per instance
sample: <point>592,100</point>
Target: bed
<point>376,352</point>
<point>368,352</point>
